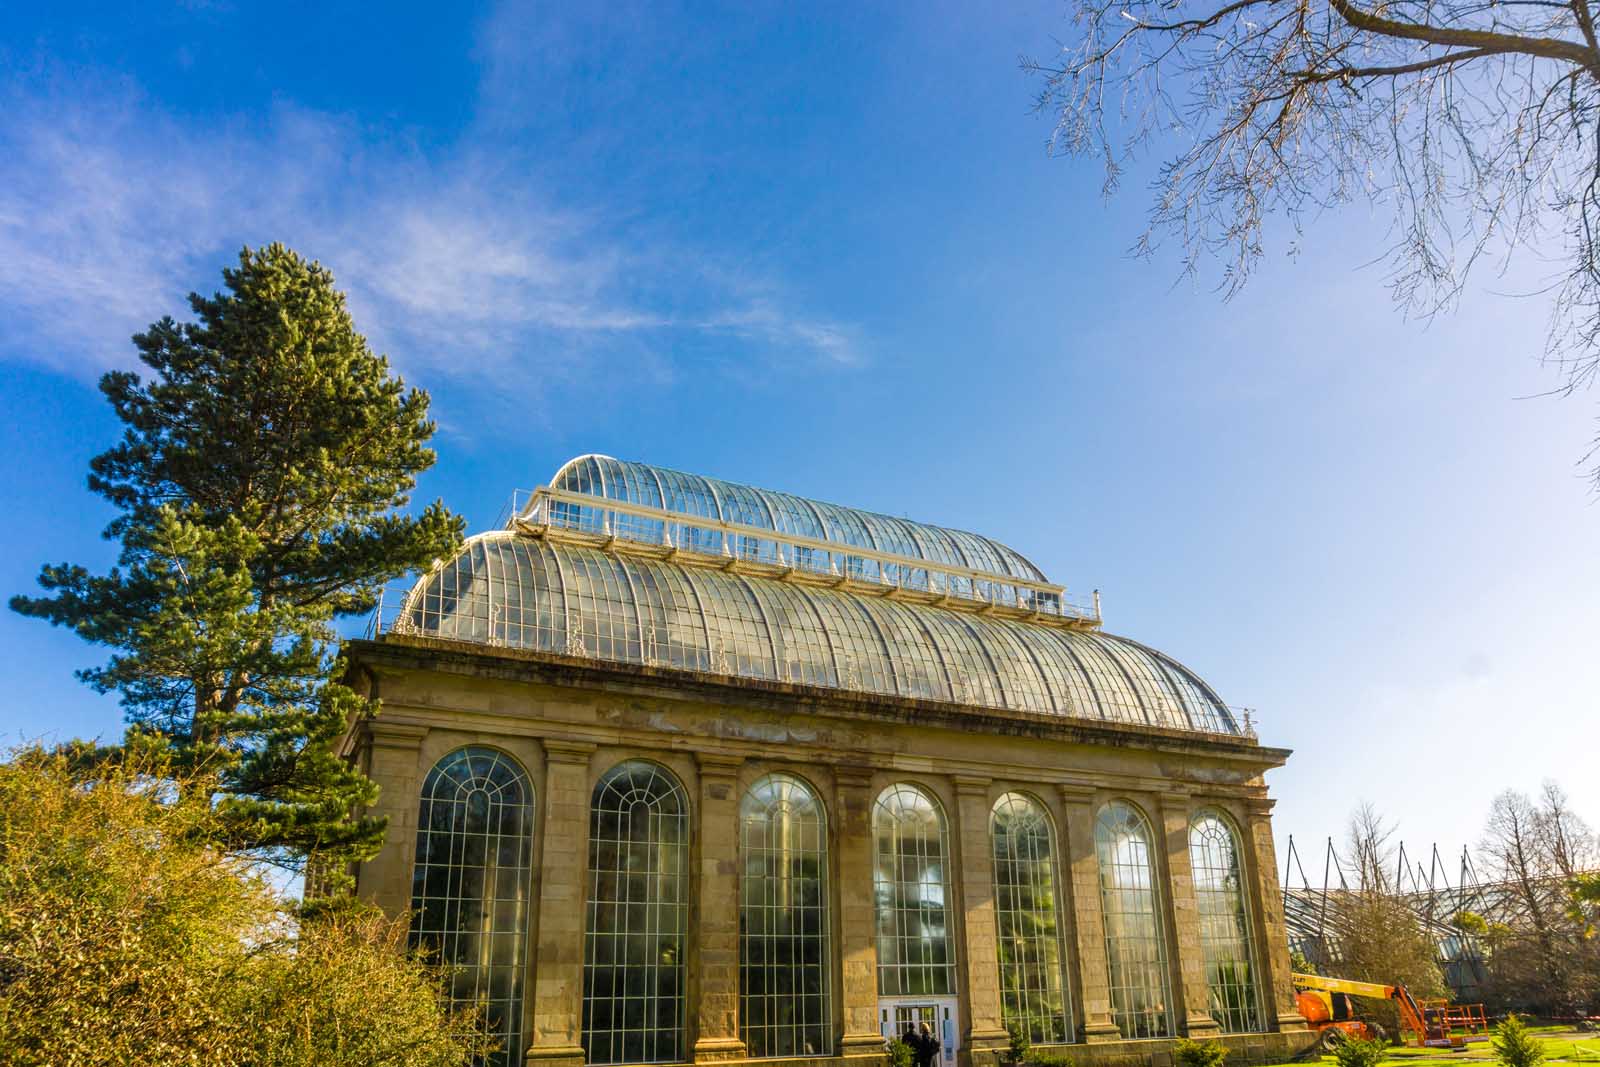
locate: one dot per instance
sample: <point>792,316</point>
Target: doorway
<point>940,1013</point>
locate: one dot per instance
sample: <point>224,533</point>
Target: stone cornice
<point>559,751</point>
<point>450,718</point>
<point>718,765</point>
<point>1179,800</point>
<point>852,775</point>
<point>972,785</point>
<point>391,734</point>
<point>1072,793</point>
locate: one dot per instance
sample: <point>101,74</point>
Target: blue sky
<point>825,251</point>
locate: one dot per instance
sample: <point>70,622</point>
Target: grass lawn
<point>1561,1045</point>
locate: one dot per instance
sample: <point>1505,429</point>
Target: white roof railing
<point>706,540</point>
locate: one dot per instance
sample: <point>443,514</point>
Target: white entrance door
<point>940,1013</point>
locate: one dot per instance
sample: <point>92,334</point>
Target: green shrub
<point>1514,1046</point>
<point>1359,1052</point>
<point>1199,1053</point>
<point>126,939</point>
<point>900,1054</point>
<point>1020,1044</point>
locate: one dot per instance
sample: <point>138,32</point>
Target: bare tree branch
<point>1487,41</point>
<point>1477,122</point>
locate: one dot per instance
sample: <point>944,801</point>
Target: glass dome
<point>511,590</point>
<point>744,505</point>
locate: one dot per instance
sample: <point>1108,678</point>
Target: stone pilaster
<point>858,934</point>
<point>563,872</point>
<point>1183,916</point>
<point>1266,900</point>
<point>395,760</point>
<point>981,962</point>
<point>714,948</point>
<point>1083,871</point>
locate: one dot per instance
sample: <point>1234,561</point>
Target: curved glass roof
<point>694,494</point>
<point>509,590</point>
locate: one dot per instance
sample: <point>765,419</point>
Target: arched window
<point>783,920</point>
<point>469,889</point>
<point>911,884</point>
<point>1226,933</point>
<point>638,899</point>
<point>1026,892</point>
<point>1130,906</point>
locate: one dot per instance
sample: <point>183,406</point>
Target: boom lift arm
<point>1411,1013</point>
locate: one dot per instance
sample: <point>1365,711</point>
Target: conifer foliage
<point>1514,1046</point>
<point>260,481</point>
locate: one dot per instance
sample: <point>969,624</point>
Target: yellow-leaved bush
<point>126,937</point>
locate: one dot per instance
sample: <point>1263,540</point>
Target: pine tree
<point>1514,1046</point>
<point>260,481</point>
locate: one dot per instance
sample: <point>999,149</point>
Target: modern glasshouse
<point>679,770</point>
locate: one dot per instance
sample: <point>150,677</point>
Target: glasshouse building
<point>678,770</point>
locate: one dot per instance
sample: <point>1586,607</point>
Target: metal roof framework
<point>745,505</point>
<point>707,584</point>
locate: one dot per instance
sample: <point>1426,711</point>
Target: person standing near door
<point>927,1047</point>
<point>913,1040</point>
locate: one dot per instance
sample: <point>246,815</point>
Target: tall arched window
<point>1226,932</point>
<point>1130,906</point>
<point>469,889</point>
<point>783,920</point>
<point>911,884</point>
<point>1026,895</point>
<point>638,899</point>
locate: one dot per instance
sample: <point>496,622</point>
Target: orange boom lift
<point>1321,1001</point>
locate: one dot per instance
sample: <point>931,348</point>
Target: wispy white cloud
<point>763,322</point>
<point>111,210</point>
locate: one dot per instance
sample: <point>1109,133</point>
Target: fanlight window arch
<point>1027,895</point>
<point>911,887</point>
<point>1130,907</point>
<point>1227,934</point>
<point>633,979</point>
<point>469,896</point>
<point>783,920</point>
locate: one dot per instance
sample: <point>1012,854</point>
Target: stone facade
<point>566,720</point>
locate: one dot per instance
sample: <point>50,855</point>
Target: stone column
<point>1083,871</point>
<point>395,763</point>
<point>982,984</point>
<point>1183,914</point>
<point>858,932</point>
<point>1266,900</point>
<point>563,875</point>
<point>714,946</point>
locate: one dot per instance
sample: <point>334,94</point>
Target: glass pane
<point>634,941</point>
<point>783,925</point>
<point>911,884</point>
<point>1130,905</point>
<point>1226,932</point>
<point>470,886</point>
<point>578,600</point>
<point>1026,891</point>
